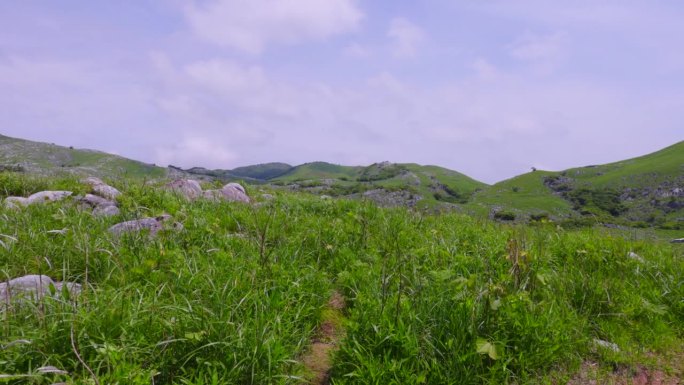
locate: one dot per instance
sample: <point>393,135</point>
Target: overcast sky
<point>488,88</point>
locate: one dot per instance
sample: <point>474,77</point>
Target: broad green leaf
<point>486,347</point>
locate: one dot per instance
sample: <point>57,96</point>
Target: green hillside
<point>263,171</point>
<point>526,193</point>
<point>318,170</point>
<point>647,191</point>
<point>644,191</point>
<point>662,167</point>
<point>391,184</point>
<point>50,159</point>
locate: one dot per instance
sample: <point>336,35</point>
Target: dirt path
<point>318,359</point>
<point>589,374</point>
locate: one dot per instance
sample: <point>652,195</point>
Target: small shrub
<point>504,215</point>
<point>539,217</point>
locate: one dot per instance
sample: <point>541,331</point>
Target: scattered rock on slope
<point>34,286</point>
<point>232,192</point>
<point>48,196</point>
<point>154,225</point>
<point>187,188</point>
<point>15,202</point>
<point>102,189</point>
<point>39,197</point>
<point>100,206</point>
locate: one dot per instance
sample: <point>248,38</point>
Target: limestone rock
<point>607,345</point>
<point>102,189</point>
<point>635,256</point>
<point>154,225</point>
<point>214,195</point>
<point>39,197</point>
<point>47,196</point>
<point>188,188</point>
<point>234,192</point>
<point>106,211</point>
<point>15,202</point>
<point>100,206</point>
<point>34,286</point>
<point>95,200</point>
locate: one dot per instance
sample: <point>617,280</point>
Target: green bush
<point>589,201</point>
<point>504,215</point>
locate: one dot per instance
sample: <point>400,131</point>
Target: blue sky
<point>488,88</point>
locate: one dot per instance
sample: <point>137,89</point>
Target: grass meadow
<point>237,296</point>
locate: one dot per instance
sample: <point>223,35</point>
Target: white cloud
<point>543,52</point>
<point>485,70</point>
<point>356,50</point>
<point>538,47</point>
<point>192,151</point>
<point>252,25</point>
<point>406,37</point>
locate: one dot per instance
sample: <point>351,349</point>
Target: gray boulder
<point>106,211</point>
<point>635,256</point>
<point>234,192</point>
<point>47,196</point>
<point>188,188</point>
<point>100,205</point>
<point>154,225</point>
<point>102,189</point>
<point>214,195</point>
<point>34,286</point>
<point>39,197</point>
<point>95,200</point>
<point>15,202</point>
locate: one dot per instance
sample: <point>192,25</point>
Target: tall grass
<point>236,296</point>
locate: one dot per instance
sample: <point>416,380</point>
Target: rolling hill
<point>50,159</point>
<point>646,191</point>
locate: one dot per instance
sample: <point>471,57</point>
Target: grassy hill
<point>392,184</point>
<point>644,191</point>
<point>50,159</point>
<point>242,294</point>
<point>525,193</point>
<point>318,170</point>
<point>264,171</point>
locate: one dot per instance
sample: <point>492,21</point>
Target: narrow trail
<point>589,375</point>
<point>318,359</point>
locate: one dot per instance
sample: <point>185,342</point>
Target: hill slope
<point>50,159</point>
<point>389,184</point>
<point>647,190</point>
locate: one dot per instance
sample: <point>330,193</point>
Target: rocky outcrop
<point>153,225</point>
<point>387,198</point>
<point>15,202</point>
<point>99,205</point>
<point>232,192</point>
<point>102,189</point>
<point>188,188</point>
<point>35,286</point>
<point>39,197</point>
